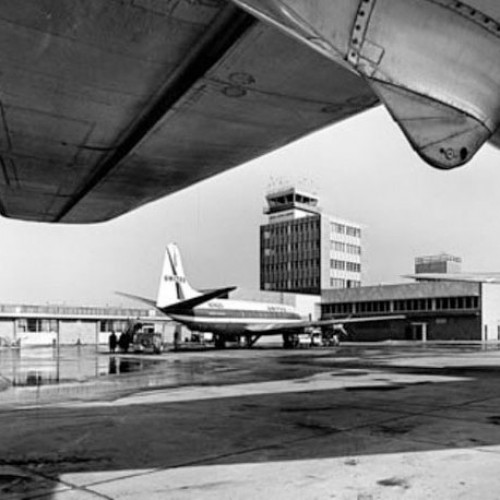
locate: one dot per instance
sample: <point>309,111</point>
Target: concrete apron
<point>358,434</point>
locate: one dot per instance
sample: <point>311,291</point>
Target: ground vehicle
<point>147,340</point>
<point>312,339</point>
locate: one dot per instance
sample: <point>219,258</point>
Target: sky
<point>362,169</point>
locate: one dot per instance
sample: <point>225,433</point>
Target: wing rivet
<point>242,78</point>
<point>474,15</point>
<point>359,30</point>
<point>234,91</point>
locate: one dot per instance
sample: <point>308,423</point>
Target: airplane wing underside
<point>107,105</point>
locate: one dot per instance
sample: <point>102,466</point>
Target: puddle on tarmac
<point>48,365</point>
<point>41,366</point>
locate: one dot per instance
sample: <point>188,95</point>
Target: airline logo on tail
<point>172,252</point>
<point>178,275</point>
<point>175,293</point>
<point>175,279</point>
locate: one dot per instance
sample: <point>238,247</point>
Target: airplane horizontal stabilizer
<point>149,302</point>
<point>184,305</point>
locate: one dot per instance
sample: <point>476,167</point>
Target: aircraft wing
<point>108,105</point>
<point>273,328</point>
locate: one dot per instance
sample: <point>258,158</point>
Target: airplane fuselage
<point>235,317</point>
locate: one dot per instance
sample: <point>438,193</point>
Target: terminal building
<point>68,325</point>
<point>440,309</point>
<point>305,251</point>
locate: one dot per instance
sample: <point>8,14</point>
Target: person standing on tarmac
<point>112,342</point>
<point>124,342</point>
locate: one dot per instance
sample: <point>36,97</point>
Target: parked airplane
<point>231,319</point>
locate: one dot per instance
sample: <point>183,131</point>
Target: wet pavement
<point>51,365</point>
<point>359,422</point>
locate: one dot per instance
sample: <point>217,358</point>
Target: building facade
<point>438,310</point>
<point>69,325</point>
<point>303,250</point>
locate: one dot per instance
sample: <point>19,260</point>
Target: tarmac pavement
<point>362,422</point>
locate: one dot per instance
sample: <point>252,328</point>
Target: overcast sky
<point>362,169</point>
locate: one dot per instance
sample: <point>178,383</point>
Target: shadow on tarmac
<point>42,444</point>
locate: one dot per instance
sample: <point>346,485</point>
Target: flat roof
<point>58,311</point>
<point>279,192</point>
<point>401,291</point>
<point>442,257</point>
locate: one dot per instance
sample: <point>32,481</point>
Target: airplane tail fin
<point>174,287</point>
<point>175,293</point>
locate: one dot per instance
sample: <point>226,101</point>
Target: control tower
<point>289,204</point>
<point>302,250</point>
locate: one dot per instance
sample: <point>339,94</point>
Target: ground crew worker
<point>112,342</point>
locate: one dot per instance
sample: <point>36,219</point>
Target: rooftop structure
<point>291,199</point>
<point>442,263</point>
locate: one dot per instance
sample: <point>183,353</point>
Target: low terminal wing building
<point>467,310</point>
<point>70,325</point>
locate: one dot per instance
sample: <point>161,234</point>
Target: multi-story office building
<point>303,250</point>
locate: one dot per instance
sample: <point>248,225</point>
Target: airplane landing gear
<point>250,340</point>
<point>219,342</point>
<point>290,340</point>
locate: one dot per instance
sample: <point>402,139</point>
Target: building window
<point>338,228</point>
<point>339,246</point>
<point>337,264</point>
<point>37,325</point>
<point>454,303</point>
<point>353,284</point>
<point>337,283</point>
<point>353,231</point>
<point>107,325</point>
<point>353,267</point>
<point>353,249</point>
